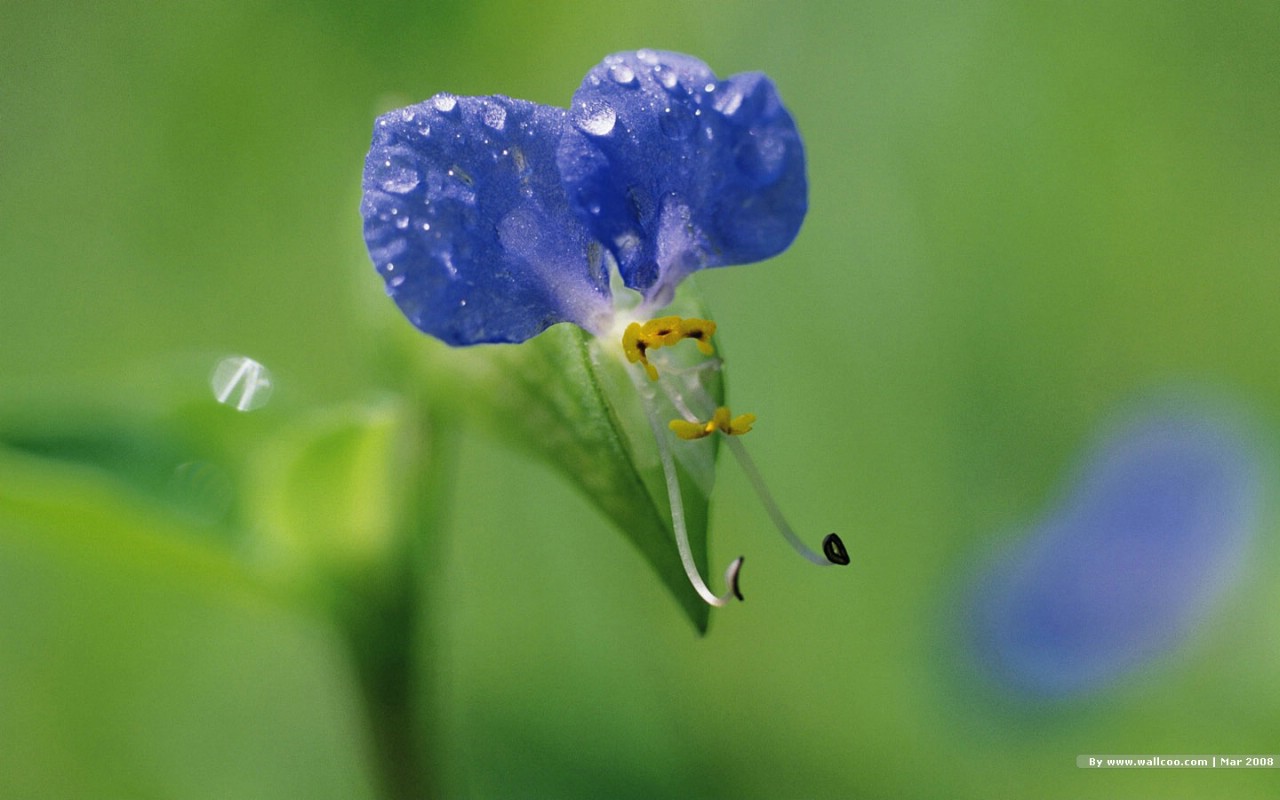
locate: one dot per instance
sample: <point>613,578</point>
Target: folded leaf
<point>563,398</point>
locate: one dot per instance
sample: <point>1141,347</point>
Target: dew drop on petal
<point>729,102</point>
<point>495,116</point>
<point>599,122</point>
<point>398,177</point>
<point>241,382</point>
<point>445,103</point>
<point>623,75</point>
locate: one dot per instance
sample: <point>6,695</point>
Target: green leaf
<point>328,492</point>
<point>571,400</point>
<point>141,660</point>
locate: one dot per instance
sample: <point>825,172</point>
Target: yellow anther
<point>701,331</point>
<point>691,430</point>
<point>638,339</point>
<point>662,331</point>
<point>721,421</point>
<point>634,345</point>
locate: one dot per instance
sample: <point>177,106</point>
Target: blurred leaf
<point>139,661</point>
<point>328,491</point>
<point>173,446</point>
<point>563,398</point>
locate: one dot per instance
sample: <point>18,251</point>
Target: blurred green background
<point>1023,216</point>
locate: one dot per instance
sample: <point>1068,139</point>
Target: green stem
<point>394,638</point>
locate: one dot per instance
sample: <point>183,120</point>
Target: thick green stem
<point>394,637</point>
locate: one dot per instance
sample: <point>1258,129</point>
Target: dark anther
<point>834,550</point>
<point>736,591</point>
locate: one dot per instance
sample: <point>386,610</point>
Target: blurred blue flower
<point>1150,535</point>
<point>489,218</point>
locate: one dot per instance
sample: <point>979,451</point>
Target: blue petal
<point>675,171</point>
<point>1150,536</point>
<point>466,219</point>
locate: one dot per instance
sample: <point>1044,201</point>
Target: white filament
<point>748,465</point>
<point>660,434</point>
<point>775,513</point>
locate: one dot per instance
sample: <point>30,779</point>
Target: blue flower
<point>492,219</point>
<point>674,170</point>
<point>488,217</point>
<point>1150,537</point>
<point>466,219</point>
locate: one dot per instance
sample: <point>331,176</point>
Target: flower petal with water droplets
<point>466,219</point>
<point>691,172</point>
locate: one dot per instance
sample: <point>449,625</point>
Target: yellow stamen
<point>662,331</point>
<point>691,430</point>
<point>741,424</point>
<point>701,331</point>
<point>722,421</point>
<point>635,345</point>
<point>638,339</point>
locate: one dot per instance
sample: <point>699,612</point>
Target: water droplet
<point>623,75</point>
<point>667,77</point>
<point>398,176</point>
<point>495,116</point>
<point>677,122</point>
<point>598,122</point>
<point>729,102</point>
<point>402,222</point>
<point>710,87</point>
<point>241,382</point>
<point>647,56</point>
<point>395,282</point>
<point>425,130</point>
<point>444,102</point>
<point>426,226</point>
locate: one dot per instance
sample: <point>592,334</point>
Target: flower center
<point>639,339</point>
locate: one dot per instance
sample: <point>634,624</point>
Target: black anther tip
<point>736,591</point>
<point>834,550</point>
